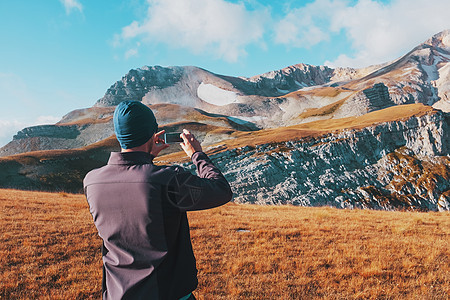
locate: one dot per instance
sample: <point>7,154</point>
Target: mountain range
<point>375,137</point>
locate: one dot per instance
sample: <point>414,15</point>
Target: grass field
<point>49,249</point>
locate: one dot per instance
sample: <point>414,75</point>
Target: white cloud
<point>71,5</point>
<point>381,33</point>
<point>42,120</point>
<point>377,32</point>
<point>218,27</point>
<point>131,53</point>
<point>309,25</point>
<point>8,128</point>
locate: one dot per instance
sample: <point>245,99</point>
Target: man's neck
<point>142,148</point>
<point>147,147</point>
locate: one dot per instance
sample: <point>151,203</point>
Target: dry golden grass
<point>327,91</point>
<point>50,250</point>
<point>322,111</point>
<point>48,247</point>
<point>306,253</point>
<point>92,115</point>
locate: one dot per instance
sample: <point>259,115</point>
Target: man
<point>139,210</point>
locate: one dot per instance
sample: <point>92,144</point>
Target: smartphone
<point>172,137</point>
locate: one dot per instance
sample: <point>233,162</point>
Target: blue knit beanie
<point>134,124</point>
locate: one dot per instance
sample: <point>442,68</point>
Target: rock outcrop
<point>398,165</point>
<point>137,83</point>
<point>52,137</point>
<point>292,78</point>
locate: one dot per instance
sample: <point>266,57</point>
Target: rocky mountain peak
<point>294,77</point>
<point>138,82</point>
<point>440,40</point>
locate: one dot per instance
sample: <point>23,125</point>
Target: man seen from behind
<point>139,210</point>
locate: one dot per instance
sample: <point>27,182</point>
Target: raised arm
<point>209,189</point>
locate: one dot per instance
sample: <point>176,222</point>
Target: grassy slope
<point>316,128</point>
<point>50,249</point>
<point>64,169</point>
<point>240,139</point>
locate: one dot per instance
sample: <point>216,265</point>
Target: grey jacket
<point>139,210</point>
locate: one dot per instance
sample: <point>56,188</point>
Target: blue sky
<point>60,55</point>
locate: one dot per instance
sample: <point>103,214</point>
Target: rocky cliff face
<point>396,165</point>
<point>292,78</point>
<point>137,83</point>
<point>52,137</point>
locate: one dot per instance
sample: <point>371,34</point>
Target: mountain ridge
<point>275,119</point>
<point>300,166</point>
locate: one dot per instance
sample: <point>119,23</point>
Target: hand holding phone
<point>190,144</point>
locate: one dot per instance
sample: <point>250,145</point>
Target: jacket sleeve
<point>190,192</point>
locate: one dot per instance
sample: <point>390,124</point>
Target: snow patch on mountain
<point>215,95</point>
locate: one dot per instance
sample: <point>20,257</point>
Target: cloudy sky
<point>60,55</point>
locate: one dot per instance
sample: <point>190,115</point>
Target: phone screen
<point>172,137</point>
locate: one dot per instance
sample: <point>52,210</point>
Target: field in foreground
<point>49,248</point>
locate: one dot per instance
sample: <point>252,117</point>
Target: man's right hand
<point>190,144</point>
